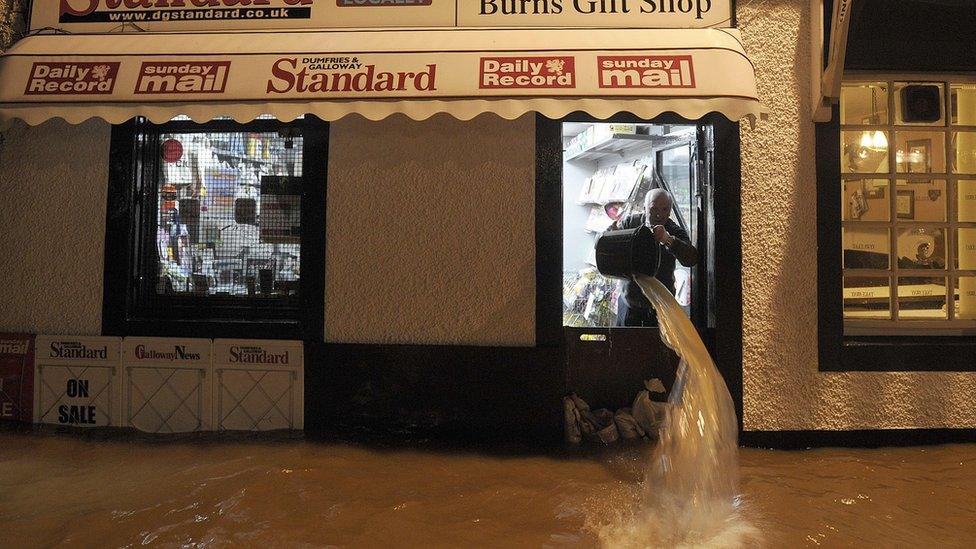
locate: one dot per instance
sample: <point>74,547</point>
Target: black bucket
<point>625,252</point>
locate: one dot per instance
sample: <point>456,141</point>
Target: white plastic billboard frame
<point>259,385</point>
<point>74,375</point>
<point>167,384</point>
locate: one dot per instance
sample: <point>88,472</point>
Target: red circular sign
<point>172,150</point>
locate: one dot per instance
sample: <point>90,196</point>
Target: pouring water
<point>689,495</point>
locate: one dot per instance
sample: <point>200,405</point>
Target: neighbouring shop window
<point>908,206</point>
<point>213,229</point>
<point>608,170</point>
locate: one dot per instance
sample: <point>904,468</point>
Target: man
<point>633,309</point>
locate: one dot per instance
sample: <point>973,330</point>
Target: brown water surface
<point>129,491</point>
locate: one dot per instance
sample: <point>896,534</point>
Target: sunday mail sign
<point>95,16</point>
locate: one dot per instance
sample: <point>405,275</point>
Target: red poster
<point>17,377</point>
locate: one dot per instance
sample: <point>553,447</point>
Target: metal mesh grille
<point>229,214</point>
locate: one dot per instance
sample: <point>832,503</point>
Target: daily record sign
<point>88,16</point>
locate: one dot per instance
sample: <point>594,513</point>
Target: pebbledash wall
<point>431,231</point>
<point>430,238</point>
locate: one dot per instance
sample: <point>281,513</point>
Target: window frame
<point>838,351</point>
<point>893,326</point>
<point>132,204</point>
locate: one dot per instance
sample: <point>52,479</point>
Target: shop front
<point>370,192</point>
<point>413,191</point>
<point>439,270</point>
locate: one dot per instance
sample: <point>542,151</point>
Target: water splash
<point>689,494</point>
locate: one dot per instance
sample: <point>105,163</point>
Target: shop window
<point>909,248</point>
<point>215,225</point>
<point>228,215</point>
<point>896,172</point>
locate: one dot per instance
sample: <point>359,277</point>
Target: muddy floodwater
<point>85,491</point>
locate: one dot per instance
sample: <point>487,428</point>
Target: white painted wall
<point>11,20</point>
<point>430,230</point>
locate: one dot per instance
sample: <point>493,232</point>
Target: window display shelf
<point>616,145</point>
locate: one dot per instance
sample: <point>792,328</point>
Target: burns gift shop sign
<point>89,16</point>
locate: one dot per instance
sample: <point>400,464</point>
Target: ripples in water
<point>123,492</point>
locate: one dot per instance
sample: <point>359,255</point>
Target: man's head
<point>657,206</point>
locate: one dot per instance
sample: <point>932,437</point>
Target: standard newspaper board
<point>77,381</point>
<point>16,377</point>
<point>167,384</point>
<point>92,16</point>
<point>258,385</point>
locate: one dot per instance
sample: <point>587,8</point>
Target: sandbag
<point>649,414</point>
<point>626,424</point>
<point>571,422</point>
<point>580,422</point>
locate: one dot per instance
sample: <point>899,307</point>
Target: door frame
<point>693,225</point>
<point>724,340</point>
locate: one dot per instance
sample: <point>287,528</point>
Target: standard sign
<point>260,385</point>
<point>76,381</point>
<point>87,16</point>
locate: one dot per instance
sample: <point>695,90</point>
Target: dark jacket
<point>665,272</point>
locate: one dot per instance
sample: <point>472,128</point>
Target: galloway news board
<point>97,16</point>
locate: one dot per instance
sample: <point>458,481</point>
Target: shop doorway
<point>610,173</point>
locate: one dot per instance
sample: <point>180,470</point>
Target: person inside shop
<point>633,309</point>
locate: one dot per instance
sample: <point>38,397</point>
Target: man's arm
<point>682,249</point>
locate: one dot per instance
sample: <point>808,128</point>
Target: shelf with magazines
<point>613,184</point>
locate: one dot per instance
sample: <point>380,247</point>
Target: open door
<point>608,170</point>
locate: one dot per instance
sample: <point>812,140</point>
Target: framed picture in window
<point>905,204</point>
<point>919,156</point>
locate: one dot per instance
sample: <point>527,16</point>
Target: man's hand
<point>661,235</point>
